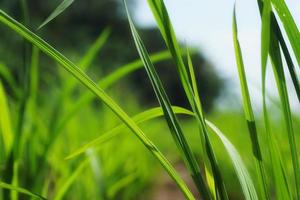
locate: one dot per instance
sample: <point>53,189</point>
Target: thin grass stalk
<point>161,15</point>
<point>249,116</point>
<point>170,117</point>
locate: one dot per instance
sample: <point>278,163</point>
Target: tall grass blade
<point>20,190</point>
<point>276,30</point>
<point>283,94</point>
<point>289,26</point>
<point>256,149</point>
<point>164,24</point>
<point>60,8</point>
<point>92,86</point>
<point>282,189</point>
<point>170,117</point>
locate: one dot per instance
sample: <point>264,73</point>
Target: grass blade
<point>5,122</point>
<point>164,24</point>
<point>20,190</point>
<point>281,186</point>
<point>286,110</point>
<point>289,26</point>
<point>60,8</point>
<point>170,117</point>
<point>92,86</point>
<point>240,169</point>
<point>256,149</point>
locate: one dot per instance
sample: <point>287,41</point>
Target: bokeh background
<point>122,168</point>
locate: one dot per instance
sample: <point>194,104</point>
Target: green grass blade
<point>282,189</point>
<point>208,171</point>
<point>164,24</point>
<point>92,86</point>
<point>288,59</point>
<point>5,122</point>
<point>20,190</point>
<point>170,117</point>
<point>256,149</point>
<point>60,8</point>
<point>289,26</point>
<point>104,83</point>
<point>283,94</point>
<point>240,169</point>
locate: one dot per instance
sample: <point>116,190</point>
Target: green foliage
<point>37,131</point>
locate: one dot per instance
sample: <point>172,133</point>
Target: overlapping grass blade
<point>283,94</point>
<point>208,170</point>
<point>92,86</point>
<point>289,26</point>
<point>239,166</point>
<point>240,169</point>
<point>139,118</point>
<point>256,149</point>
<point>170,117</point>
<point>5,122</point>
<point>86,61</point>
<point>104,83</point>
<point>60,8</point>
<point>164,24</point>
<point>282,189</point>
<point>275,29</point>
<point>20,190</point>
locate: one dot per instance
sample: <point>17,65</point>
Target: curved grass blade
<point>172,121</point>
<point>20,190</point>
<point>241,170</point>
<point>139,118</point>
<point>92,86</point>
<point>256,149</point>
<point>165,26</point>
<point>60,8</point>
<point>104,83</point>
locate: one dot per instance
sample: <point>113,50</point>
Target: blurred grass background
<point>120,168</point>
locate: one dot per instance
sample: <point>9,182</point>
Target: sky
<point>208,26</point>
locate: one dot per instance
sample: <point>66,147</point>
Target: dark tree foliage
<point>76,29</point>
